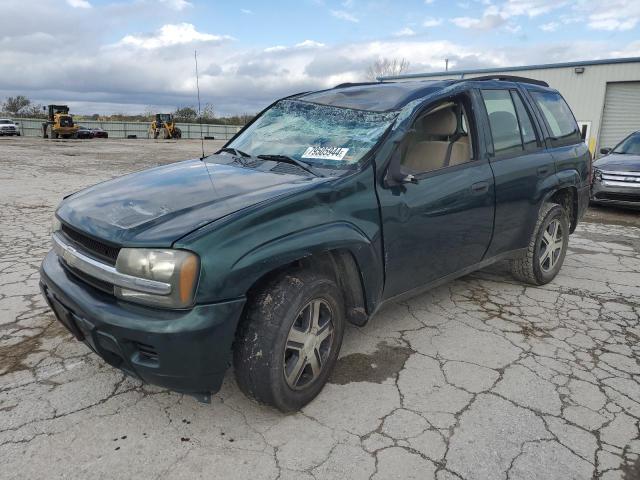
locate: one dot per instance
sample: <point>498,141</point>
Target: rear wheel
<point>288,343</point>
<point>547,247</point>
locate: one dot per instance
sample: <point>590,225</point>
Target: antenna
<point>195,56</point>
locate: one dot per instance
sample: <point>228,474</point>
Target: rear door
<point>522,168</point>
<point>563,138</point>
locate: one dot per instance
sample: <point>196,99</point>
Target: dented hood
<point>158,206</point>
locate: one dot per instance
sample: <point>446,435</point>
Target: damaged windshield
<point>320,135</point>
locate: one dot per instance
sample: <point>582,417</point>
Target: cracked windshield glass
<point>321,135</point>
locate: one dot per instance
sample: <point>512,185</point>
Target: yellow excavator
<point>59,123</point>
<point>164,127</point>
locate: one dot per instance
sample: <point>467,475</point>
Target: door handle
<point>480,187</point>
<point>543,171</point>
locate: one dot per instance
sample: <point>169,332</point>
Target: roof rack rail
<point>355,84</point>
<point>507,78</point>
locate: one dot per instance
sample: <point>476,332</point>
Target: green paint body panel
<point>245,223</point>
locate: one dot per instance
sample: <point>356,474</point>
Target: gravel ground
<point>483,378</point>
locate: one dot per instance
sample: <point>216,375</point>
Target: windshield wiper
<point>291,160</point>
<point>235,151</point>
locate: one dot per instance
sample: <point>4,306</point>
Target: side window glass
<point>558,115</point>
<point>503,121</point>
<point>526,126</point>
<point>439,139</point>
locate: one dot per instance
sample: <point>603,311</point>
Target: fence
<point>33,128</point>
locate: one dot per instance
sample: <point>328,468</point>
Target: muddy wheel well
<point>568,198</point>
<point>339,264</point>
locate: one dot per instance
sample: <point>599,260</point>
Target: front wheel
<point>288,342</point>
<point>547,247</point>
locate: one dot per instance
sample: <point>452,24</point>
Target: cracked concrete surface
<point>483,378</point>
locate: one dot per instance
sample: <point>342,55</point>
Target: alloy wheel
<point>551,245</point>
<point>308,344</point>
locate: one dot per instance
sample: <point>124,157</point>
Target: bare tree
<point>14,105</point>
<point>384,67</point>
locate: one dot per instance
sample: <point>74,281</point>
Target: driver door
<point>444,222</point>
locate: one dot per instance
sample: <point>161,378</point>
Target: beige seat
<point>428,155</point>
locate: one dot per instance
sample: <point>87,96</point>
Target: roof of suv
<point>389,96</point>
<point>379,97</point>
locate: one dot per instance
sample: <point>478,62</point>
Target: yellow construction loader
<point>164,127</point>
<point>59,123</point>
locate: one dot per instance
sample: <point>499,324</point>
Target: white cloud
<point>178,5</point>
<point>246,11</point>
<point>79,3</point>
<point>309,44</point>
<point>170,34</point>
<point>276,48</point>
<point>342,15</point>
<point>431,22</point>
<point>487,22</point>
<point>405,32</point>
<point>429,2</point>
<point>497,14</point>
<point>612,15</point>
<point>549,27</point>
<point>513,28</point>
<point>530,8</point>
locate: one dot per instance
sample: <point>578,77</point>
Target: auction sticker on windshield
<point>325,153</point>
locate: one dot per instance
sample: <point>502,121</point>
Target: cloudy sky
<point>110,56</point>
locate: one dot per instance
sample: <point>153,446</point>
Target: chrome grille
<point>621,179</point>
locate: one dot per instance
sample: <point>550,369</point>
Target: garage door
<point>621,112</point>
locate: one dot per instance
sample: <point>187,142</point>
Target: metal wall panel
<point>584,92</point>
<point>621,112</point>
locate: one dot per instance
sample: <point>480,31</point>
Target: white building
<point>603,94</point>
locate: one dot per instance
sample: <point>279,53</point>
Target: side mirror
<point>605,151</point>
<point>395,176</point>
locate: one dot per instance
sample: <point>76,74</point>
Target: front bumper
<point>602,192</point>
<point>183,350</point>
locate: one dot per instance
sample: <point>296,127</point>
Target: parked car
<point>325,207</point>
<point>84,133</point>
<point>100,133</point>
<point>616,177</point>
<point>8,127</point>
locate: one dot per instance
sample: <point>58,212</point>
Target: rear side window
<point>511,127</point>
<point>562,125</point>
<point>529,138</point>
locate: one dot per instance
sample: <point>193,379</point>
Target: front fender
<point>320,239</point>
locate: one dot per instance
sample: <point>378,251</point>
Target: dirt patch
<point>13,356</point>
<point>612,215</point>
<point>384,363</point>
<point>631,471</point>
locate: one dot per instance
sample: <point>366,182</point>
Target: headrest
<point>443,122</point>
<point>503,122</point>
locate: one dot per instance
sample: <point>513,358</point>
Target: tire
<point>266,355</point>
<point>541,263</point>
<point>178,133</point>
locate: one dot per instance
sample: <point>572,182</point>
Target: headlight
<point>55,224</point>
<point>597,174</point>
<point>178,268</point>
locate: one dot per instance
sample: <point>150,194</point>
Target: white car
<point>8,127</point>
